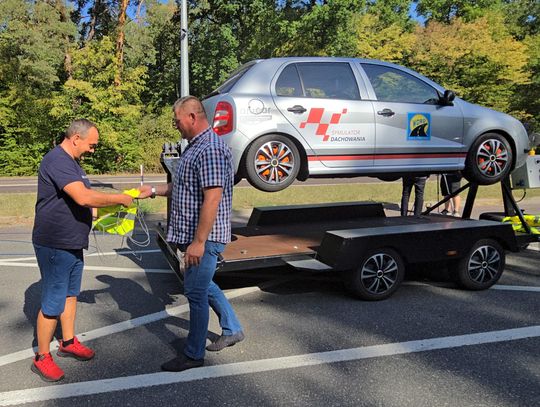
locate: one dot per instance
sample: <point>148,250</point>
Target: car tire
<point>481,267</point>
<point>380,273</point>
<point>489,160</point>
<point>272,163</point>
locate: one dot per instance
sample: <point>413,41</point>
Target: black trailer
<point>370,249</point>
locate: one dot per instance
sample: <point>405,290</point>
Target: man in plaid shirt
<point>200,226</point>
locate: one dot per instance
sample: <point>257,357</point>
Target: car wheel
<point>272,163</point>
<point>482,267</point>
<point>379,274</point>
<point>489,160</point>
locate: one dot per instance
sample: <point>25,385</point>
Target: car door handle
<point>386,112</point>
<point>297,109</point>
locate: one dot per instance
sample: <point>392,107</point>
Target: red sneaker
<point>76,350</point>
<point>44,366</point>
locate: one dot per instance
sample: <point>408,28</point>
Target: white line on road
<point>516,288</point>
<point>95,268</point>
<point>263,365</point>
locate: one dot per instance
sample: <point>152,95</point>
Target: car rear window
<point>233,78</point>
<point>326,80</point>
<point>288,83</point>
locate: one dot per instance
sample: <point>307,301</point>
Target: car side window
<point>288,83</point>
<point>329,80</point>
<point>393,85</point>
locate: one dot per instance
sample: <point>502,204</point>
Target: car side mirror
<point>448,98</point>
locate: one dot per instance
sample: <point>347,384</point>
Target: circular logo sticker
<point>256,106</point>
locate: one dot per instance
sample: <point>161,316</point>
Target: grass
<point>19,207</point>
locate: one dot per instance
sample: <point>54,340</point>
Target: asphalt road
<point>120,182</point>
<point>308,343</point>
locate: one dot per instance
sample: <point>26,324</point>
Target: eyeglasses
<point>92,146</point>
<point>175,123</point>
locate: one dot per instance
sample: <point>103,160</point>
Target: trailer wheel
<point>482,267</point>
<point>380,273</point>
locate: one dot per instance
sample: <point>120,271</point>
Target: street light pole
<point>184,65</point>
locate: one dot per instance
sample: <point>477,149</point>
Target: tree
<point>522,17</point>
<point>479,60</point>
<point>33,47</point>
<point>527,98</point>
<point>391,43</point>
<point>446,10</point>
<point>330,28</point>
<point>391,12</point>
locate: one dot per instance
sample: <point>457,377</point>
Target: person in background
<point>200,226</point>
<point>61,227</point>
<point>450,183</point>
<point>419,183</point>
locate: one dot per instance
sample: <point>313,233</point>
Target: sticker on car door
<point>418,126</point>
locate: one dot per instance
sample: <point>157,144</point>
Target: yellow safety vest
<point>532,220</point>
<point>117,219</point>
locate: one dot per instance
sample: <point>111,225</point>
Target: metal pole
<point>184,65</point>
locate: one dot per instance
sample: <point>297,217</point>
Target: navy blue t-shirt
<point>60,222</point>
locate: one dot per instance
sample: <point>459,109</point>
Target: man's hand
<point>146,191</point>
<point>125,200</point>
<point>194,253</point>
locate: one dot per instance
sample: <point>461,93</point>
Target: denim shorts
<point>61,274</point>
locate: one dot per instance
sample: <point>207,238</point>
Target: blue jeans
<point>201,293</point>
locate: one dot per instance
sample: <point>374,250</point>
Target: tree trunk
<point>93,20</point>
<point>138,14</point>
<point>64,17</point>
<point>120,42</point>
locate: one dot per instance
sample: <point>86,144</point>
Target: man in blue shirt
<point>200,226</point>
<point>61,227</point>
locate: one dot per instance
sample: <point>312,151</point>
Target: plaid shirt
<point>206,162</point>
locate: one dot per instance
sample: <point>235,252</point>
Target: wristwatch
<point>153,193</point>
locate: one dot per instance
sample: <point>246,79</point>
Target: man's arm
<point>94,199</point>
<point>207,217</point>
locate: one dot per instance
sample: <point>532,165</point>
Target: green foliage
<point>57,61</point>
<point>479,60</point>
<point>376,40</point>
<point>330,28</point>
<point>522,17</point>
<point>446,10</point>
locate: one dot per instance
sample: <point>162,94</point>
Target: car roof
<point>275,63</point>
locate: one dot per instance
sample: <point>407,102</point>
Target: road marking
<point>92,387</point>
<point>93,254</point>
<point>140,321</point>
<point>19,185</point>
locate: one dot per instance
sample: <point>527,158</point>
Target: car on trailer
<point>299,117</point>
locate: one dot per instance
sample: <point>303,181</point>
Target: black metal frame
<point>511,207</point>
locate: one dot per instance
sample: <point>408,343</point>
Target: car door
<point>322,101</point>
<point>413,129</point>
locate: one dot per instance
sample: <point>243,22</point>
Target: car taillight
<point>223,118</point>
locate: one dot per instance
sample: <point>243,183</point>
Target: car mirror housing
<point>448,98</point>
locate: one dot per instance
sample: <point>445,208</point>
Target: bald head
<point>190,117</point>
<point>189,104</point>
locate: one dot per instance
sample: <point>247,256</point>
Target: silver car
<point>294,118</point>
